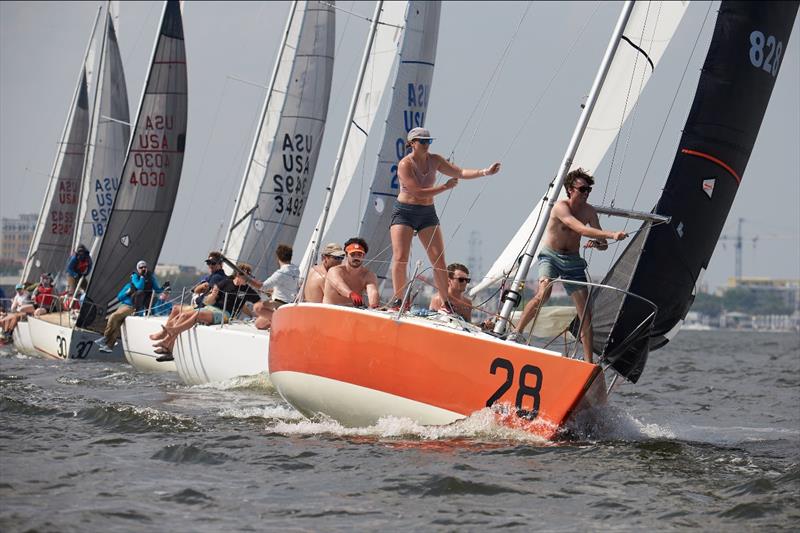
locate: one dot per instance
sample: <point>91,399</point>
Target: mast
<point>265,107</point>
<point>319,230</point>
<point>513,297</point>
<point>63,140</point>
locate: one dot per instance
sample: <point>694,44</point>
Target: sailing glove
<point>356,298</point>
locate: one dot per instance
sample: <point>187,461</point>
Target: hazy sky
<point>525,117</point>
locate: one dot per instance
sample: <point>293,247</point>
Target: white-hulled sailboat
<point>58,227</point>
<point>357,366</point>
<point>270,203</point>
<point>140,213</point>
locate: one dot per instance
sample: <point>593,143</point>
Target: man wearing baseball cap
<point>330,256</point>
<point>345,284</point>
<point>136,295</point>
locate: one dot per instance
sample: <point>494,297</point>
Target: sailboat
<point>58,228</point>
<point>271,200</point>
<point>142,207</point>
<point>356,366</point>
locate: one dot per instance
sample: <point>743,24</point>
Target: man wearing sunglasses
<point>332,255</point>
<point>457,281</point>
<point>345,284</point>
<point>560,257</point>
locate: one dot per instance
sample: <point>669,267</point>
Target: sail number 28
<point>525,388</point>
<point>765,52</point>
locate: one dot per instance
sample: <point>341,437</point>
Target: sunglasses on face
<point>462,280</point>
<point>335,258</point>
<point>585,189</point>
<point>424,141</point>
<point>357,255</point>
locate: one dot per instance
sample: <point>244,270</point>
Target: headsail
<point>284,156</point>
<point>665,263</point>
<point>408,108</point>
<point>379,66</point>
<point>109,138</point>
<point>150,175</point>
<point>647,34</point>
<point>55,227</point>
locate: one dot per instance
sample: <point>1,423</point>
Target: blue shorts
<point>417,217</point>
<point>569,267</point>
<point>219,315</point>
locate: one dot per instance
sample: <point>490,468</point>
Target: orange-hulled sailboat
<point>357,365</point>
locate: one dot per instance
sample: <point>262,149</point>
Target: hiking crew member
<point>331,256</point>
<point>345,284</point>
<point>79,266</point>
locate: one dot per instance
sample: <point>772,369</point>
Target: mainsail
<point>665,262</point>
<point>382,56</point>
<point>284,156</point>
<point>109,137</point>
<point>407,109</point>
<point>55,227</point>
<point>647,34</point>
<point>150,176</point>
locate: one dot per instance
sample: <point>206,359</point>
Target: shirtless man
<point>457,280</point>
<point>331,256</point>
<point>345,284</point>
<point>560,257</point>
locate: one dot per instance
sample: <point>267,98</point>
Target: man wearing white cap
<point>414,210</point>
<point>330,256</point>
<point>135,296</point>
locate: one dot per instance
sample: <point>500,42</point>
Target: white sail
<point>284,156</point>
<point>647,34</point>
<point>109,137</point>
<point>408,108</point>
<point>379,67</point>
<point>52,238</point>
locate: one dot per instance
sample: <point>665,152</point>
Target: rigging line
<point>494,72</point>
<point>672,105</point>
<point>578,36</point>
<point>362,17</point>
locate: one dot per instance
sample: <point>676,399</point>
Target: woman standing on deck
<point>414,210</point>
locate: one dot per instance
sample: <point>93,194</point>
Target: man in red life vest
<point>78,266</point>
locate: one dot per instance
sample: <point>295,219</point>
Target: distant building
<point>16,235</point>
<point>787,290</point>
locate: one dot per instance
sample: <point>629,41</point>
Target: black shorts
<point>417,217</point>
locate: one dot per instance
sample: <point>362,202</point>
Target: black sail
<point>150,176</point>
<point>735,85</point>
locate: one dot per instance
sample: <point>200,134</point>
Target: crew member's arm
<point>562,212</point>
<point>454,171</point>
<point>337,281</point>
<point>71,266</point>
<point>372,290</point>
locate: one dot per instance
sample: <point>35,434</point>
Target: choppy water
<point>709,439</point>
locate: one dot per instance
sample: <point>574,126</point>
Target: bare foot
<point>160,335</point>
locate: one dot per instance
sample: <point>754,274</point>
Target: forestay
<point>284,156</point>
<point>108,139</point>
<point>407,110</point>
<point>379,66</point>
<point>150,176</point>
<point>647,34</point>
<point>52,238</point>
<point>665,262</point>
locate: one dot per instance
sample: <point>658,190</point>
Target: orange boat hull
<point>356,366</point>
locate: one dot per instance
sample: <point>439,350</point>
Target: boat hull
<point>138,348</point>
<point>206,354</point>
<point>22,338</point>
<point>357,366</point>
<point>54,338</point>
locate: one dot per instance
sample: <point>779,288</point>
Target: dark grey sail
<point>150,176</point>
<point>52,239</point>
<point>664,264</point>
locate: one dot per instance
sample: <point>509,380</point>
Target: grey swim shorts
<point>570,267</point>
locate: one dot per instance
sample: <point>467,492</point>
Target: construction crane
<point>737,245</point>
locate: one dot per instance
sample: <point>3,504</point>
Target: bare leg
<point>531,309</point>
<point>263,313</point>
<point>401,249</point>
<point>173,316</point>
<point>585,316</point>
<point>432,240</point>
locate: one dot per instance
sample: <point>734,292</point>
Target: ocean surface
<point>708,439</point>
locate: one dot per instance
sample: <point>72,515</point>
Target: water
<point>709,439</point>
